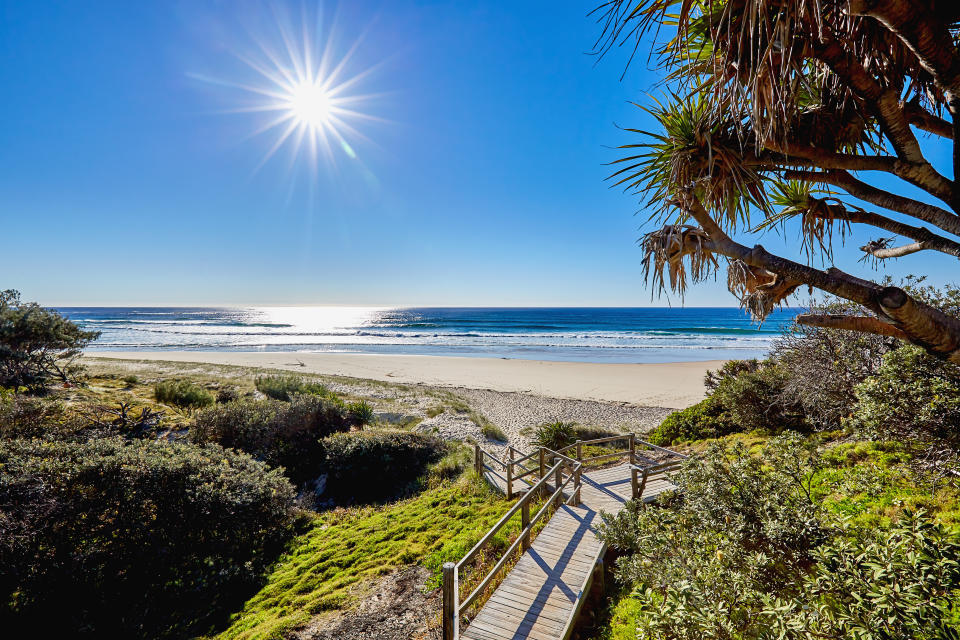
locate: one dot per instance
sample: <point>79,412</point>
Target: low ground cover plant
<point>347,545</point>
<point>137,539</point>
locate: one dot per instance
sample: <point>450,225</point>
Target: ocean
<point>624,335</point>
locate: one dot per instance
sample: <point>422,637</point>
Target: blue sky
<point>125,179</point>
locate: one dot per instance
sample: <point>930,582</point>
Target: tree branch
<point>882,253</point>
<point>865,324</point>
<point>925,35</point>
<point>922,324</point>
<point>928,213</point>
<point>926,121</point>
<point>925,239</point>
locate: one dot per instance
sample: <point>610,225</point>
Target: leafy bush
<point>182,393</point>
<point>754,398</point>
<point>369,466</point>
<point>746,550</point>
<point>360,413</point>
<point>555,435</point>
<point>912,396</point>
<point>132,539</point>
<point>284,387</point>
<point>227,394</point>
<point>130,380</point>
<point>37,345</point>
<point>282,434</point>
<point>706,419</point>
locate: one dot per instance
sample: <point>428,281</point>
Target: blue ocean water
<point>571,334</point>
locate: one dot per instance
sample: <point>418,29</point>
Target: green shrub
<point>754,399</point>
<point>822,367</point>
<point>703,420</point>
<point>284,387</point>
<point>747,549</point>
<point>37,345</point>
<point>227,394</point>
<point>132,539</point>
<point>182,393</point>
<point>912,396</point>
<point>31,417</point>
<point>360,413</point>
<point>130,380</point>
<point>555,435</point>
<point>370,466</point>
<point>282,434</point>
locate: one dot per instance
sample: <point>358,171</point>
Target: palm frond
<point>665,251</point>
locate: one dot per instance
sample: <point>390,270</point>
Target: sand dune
<point>674,385</point>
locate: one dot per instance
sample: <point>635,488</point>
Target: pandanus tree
<point>777,110</point>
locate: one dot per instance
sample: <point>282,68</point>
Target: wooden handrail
<point>524,534</point>
<point>670,452</point>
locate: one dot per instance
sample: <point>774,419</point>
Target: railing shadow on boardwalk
<point>541,595</point>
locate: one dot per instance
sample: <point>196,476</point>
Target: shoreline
<point>672,385</point>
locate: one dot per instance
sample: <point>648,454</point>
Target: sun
<point>310,105</point>
<point>305,93</point>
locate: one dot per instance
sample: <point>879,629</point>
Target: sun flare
<point>305,92</point>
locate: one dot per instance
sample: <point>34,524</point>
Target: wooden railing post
<point>543,470</point>
<point>579,450</point>
<point>478,458</point>
<point>576,486</point>
<point>559,483</point>
<point>643,483</point>
<point>633,448</point>
<point>525,522</point>
<point>451,615</point>
<point>633,483</point>
<point>509,473</point>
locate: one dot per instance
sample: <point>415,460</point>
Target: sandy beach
<point>673,385</point>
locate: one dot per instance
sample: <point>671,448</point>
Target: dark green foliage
<point>745,395</point>
<point>747,550</point>
<point>227,394</point>
<point>360,413</point>
<point>37,345</point>
<point>284,387</point>
<point>753,397</point>
<point>136,539</point>
<point>131,380</point>
<point>182,393</point>
<point>377,465</point>
<point>282,434</point>
<point>912,396</point>
<point>706,419</point>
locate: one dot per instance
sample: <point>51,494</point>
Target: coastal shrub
<point>912,396</point>
<point>23,416</point>
<point>284,387</point>
<point>182,393</point>
<point>822,367</point>
<point>227,394</point>
<point>37,345</point>
<point>558,434</point>
<point>130,380</point>
<point>748,548</point>
<point>360,413</point>
<point>555,435</point>
<point>706,419</point>
<point>370,466</point>
<point>136,539</point>
<point>753,397</point>
<point>282,434</point>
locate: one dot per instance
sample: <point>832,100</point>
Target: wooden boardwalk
<point>542,595</point>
